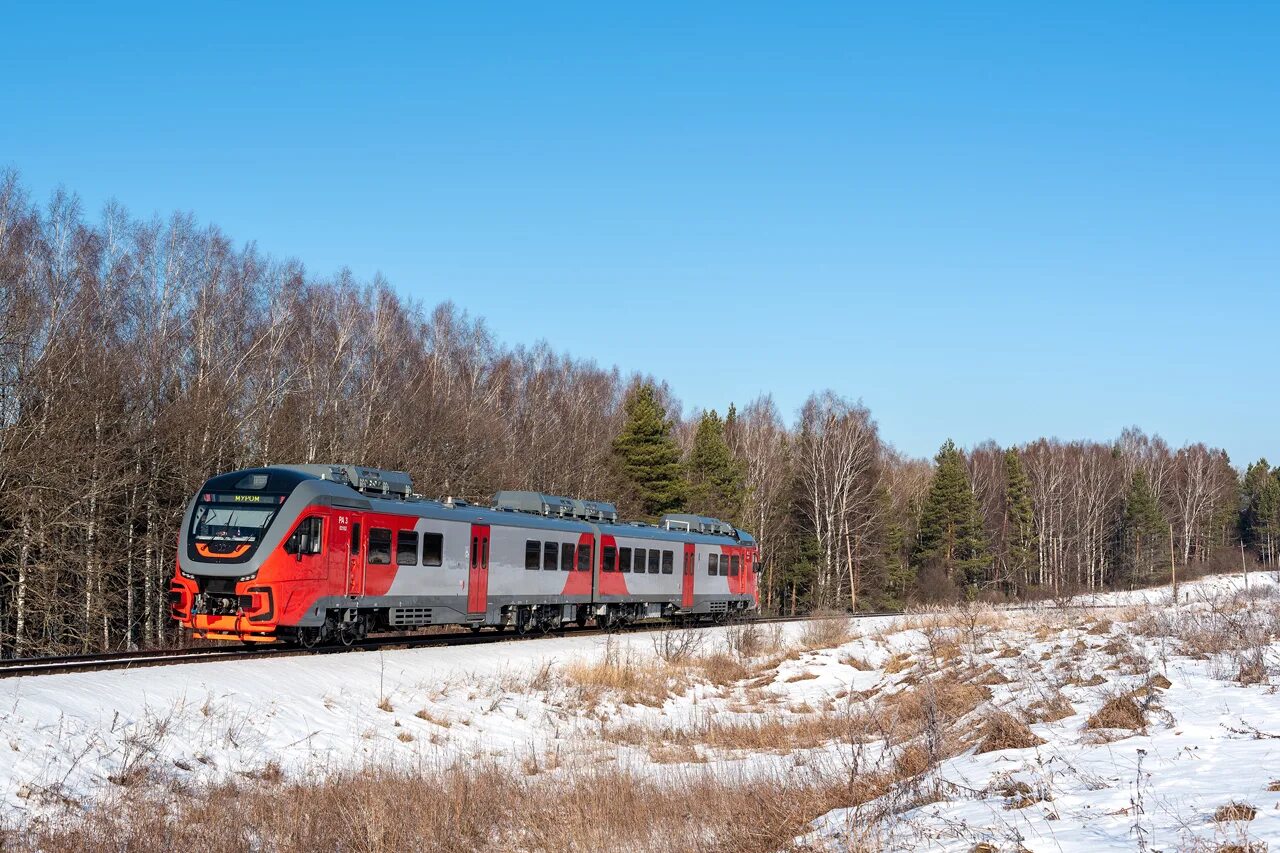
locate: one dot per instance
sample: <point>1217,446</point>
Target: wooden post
<point>1173,567</point>
<point>1244,566</point>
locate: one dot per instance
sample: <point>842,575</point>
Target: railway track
<point>18,667</point>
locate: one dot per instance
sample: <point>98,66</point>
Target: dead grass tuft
<point>899,663</point>
<point>1049,709</point>
<point>442,722</point>
<point>1235,811</point>
<point>1119,712</point>
<point>856,662</point>
<point>1002,730</point>
<point>825,633</point>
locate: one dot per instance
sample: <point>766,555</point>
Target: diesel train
<point>326,554</point>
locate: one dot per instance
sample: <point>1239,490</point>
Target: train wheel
<point>524,616</point>
<point>309,638</point>
<point>582,616</point>
<point>475,629</point>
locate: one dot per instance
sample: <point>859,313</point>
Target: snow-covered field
<point>895,714</point>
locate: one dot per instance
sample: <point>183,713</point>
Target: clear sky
<point>984,220</point>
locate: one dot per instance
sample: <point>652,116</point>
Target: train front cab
<point>245,566</point>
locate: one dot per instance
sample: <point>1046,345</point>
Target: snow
<point>69,739</point>
<point>1211,742</point>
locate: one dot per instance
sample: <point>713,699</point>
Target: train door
<point>355,553</point>
<point>686,589</point>
<point>478,576</point>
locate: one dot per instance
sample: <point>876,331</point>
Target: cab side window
<point>713,561</point>
<point>306,537</point>
<point>379,546</point>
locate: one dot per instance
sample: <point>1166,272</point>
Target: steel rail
<point>106,661</point>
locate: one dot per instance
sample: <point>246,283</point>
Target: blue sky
<point>984,220</point>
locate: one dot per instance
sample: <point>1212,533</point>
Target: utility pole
<point>1173,567</point>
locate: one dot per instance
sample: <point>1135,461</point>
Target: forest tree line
<point>138,358</point>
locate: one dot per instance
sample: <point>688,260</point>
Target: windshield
<point>227,528</point>
<point>231,523</point>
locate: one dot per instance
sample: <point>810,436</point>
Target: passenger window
<point>566,557</point>
<point>712,563</point>
<point>584,558</point>
<point>550,553</point>
<point>532,554</point>
<point>406,548</point>
<point>735,564</point>
<point>306,538</point>
<point>624,559</point>
<point>609,559</point>
<point>668,562</point>
<point>724,565</point>
<point>639,561</point>
<point>432,549</point>
<point>355,538</point>
<point>379,546</point>
<point>654,557</point>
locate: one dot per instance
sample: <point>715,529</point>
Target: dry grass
<point>1002,730</point>
<point>825,633</point>
<point>442,722</point>
<point>458,810</point>
<point>1235,811</point>
<point>856,662</point>
<point>1049,709</point>
<point>768,733</point>
<point>1119,712</point>
<point>899,663</point>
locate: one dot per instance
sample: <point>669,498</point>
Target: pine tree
<point>1260,519</point>
<point>1142,529</point>
<point>951,537</point>
<point>647,455</point>
<point>715,476</point>
<point>1019,516</point>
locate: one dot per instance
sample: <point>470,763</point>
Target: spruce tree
<point>1142,529</point>
<point>1020,516</point>
<point>1260,519</point>
<point>951,536</point>
<point>715,476</point>
<point>647,455</point>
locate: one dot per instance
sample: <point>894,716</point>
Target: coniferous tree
<point>647,455</point>
<point>951,538</point>
<point>714,475</point>
<point>1019,517</point>
<point>1260,520</point>
<point>1143,529</point>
